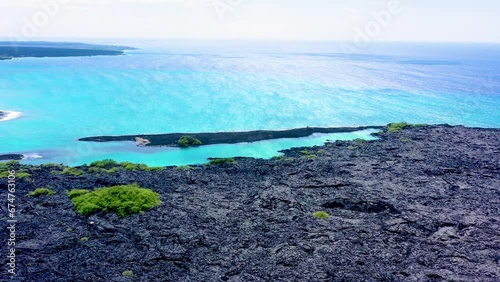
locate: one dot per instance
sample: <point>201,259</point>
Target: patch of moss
<point>54,166</point>
<point>123,200</point>
<point>128,273</point>
<point>185,167</point>
<point>94,170</point>
<point>419,125</point>
<point>41,192</point>
<point>278,158</point>
<point>144,167</point>
<point>186,141</point>
<point>103,170</point>
<point>73,171</point>
<point>129,166</point>
<point>9,165</point>
<point>106,163</point>
<point>396,127</point>
<point>23,175</point>
<point>152,168</point>
<point>69,229</point>
<point>77,193</point>
<point>360,140</point>
<point>222,161</point>
<point>307,154</point>
<point>84,239</point>
<point>320,215</point>
<point>19,174</point>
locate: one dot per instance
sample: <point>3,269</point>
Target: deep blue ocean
<point>203,86</point>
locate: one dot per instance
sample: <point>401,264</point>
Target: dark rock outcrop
<point>171,139</point>
<point>13,157</point>
<point>417,205</point>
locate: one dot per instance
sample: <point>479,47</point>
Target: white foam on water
<point>32,156</point>
<point>10,115</point>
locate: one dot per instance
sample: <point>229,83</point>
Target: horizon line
<point>79,39</point>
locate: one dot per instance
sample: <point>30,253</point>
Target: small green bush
<point>77,193</point>
<point>419,125</point>
<point>106,163</point>
<point>187,141</point>
<point>305,152</point>
<point>8,165</point>
<point>50,165</point>
<point>144,167</point>
<point>129,166</point>
<point>360,140</point>
<point>41,192</point>
<point>73,171</point>
<point>111,170</point>
<point>278,158</point>
<point>103,170</point>
<point>128,273</point>
<point>123,200</point>
<point>94,170</point>
<point>222,161</point>
<point>23,175</point>
<point>69,229</point>
<point>396,127</point>
<point>19,174</point>
<point>84,239</point>
<point>320,215</point>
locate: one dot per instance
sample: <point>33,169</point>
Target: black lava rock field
<point>421,204</point>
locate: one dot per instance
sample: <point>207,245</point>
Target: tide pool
<point>88,152</point>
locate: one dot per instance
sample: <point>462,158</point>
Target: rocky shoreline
<point>13,157</point>
<point>171,139</point>
<point>420,204</point>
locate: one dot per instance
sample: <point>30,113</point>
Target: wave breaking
<point>9,115</point>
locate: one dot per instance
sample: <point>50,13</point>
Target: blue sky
<point>415,20</point>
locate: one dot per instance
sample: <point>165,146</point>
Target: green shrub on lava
<point>41,192</point>
<point>186,141</point>
<point>122,200</point>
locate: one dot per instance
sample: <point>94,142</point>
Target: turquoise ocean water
<point>166,87</point>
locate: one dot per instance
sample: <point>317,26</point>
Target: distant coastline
<point>10,50</point>
<point>171,139</point>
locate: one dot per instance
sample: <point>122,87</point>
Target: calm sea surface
<point>167,87</point>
